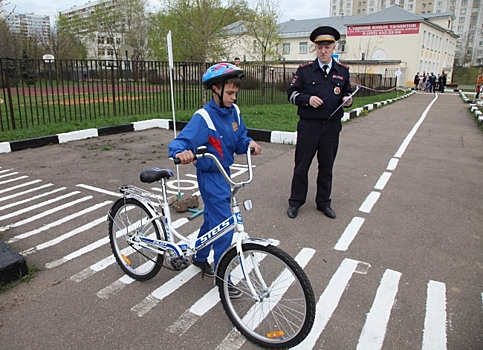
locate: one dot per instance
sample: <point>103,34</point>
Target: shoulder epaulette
<point>306,64</point>
<point>342,64</point>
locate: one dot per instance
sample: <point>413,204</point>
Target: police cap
<point>324,35</point>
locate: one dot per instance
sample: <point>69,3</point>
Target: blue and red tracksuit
<point>224,133</point>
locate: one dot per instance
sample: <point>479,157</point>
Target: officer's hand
<point>315,101</point>
<point>256,148</point>
<point>348,101</point>
<point>186,157</point>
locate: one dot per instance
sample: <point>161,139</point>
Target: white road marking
<point>349,234</point>
<point>45,213</point>
<point>39,205</point>
<point>24,192</point>
<point>9,174</point>
<point>166,289</point>
<point>11,180</point>
<point>415,128</point>
<point>392,164</point>
<point>434,334</point>
<point>52,224</point>
<point>381,183</point>
<point>72,233</point>
<point>20,186</point>
<point>371,199</point>
<point>328,301</point>
<point>100,190</point>
<point>26,200</point>
<point>374,331</point>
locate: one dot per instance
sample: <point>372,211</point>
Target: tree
<point>64,41</point>
<point>260,27</point>
<point>198,28</point>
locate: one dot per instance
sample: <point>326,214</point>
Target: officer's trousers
<point>319,137</point>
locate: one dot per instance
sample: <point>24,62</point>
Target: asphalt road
<point>400,268</point>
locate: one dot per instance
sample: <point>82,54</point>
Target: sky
<point>305,9</point>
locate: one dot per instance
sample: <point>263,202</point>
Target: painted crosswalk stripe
<point>12,180</point>
<point>69,234</point>
<point>328,301</point>
<point>54,223</point>
<point>25,184</point>
<point>9,174</point>
<point>30,199</point>
<point>17,194</point>
<point>166,289</point>
<point>374,331</point>
<point>38,205</point>
<point>434,334</point>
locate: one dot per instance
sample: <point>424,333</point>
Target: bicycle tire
<point>128,217</point>
<point>286,312</point>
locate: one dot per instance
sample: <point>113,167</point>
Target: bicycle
<point>276,308</point>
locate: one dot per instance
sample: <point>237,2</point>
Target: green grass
<point>280,117</point>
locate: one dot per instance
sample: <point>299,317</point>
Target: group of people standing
<point>429,82</point>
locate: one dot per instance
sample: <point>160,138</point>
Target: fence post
<point>113,91</point>
<point>10,101</point>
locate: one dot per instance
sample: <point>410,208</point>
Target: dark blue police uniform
<point>317,131</point>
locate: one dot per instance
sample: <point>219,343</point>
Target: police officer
<point>318,89</point>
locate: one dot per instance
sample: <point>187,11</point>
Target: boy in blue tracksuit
<point>219,127</point>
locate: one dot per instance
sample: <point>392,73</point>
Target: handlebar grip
<point>252,150</point>
<point>177,161</point>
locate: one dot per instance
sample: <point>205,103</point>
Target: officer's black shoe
<point>206,268</point>
<point>292,212</point>
<point>327,212</point>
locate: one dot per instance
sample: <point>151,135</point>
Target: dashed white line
<point>349,234</point>
<point>371,199</point>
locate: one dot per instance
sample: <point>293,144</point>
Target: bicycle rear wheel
<point>285,312</point>
<point>127,218</point>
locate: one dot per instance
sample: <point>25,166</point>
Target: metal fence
<point>38,92</point>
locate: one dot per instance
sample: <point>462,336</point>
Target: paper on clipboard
<point>343,102</point>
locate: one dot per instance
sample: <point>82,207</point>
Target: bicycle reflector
<point>126,260</point>
<point>276,334</point>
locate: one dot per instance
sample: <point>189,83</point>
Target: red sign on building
<point>383,29</point>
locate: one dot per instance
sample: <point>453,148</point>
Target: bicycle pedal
<point>179,263</point>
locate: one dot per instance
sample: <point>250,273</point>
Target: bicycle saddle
<point>155,174</point>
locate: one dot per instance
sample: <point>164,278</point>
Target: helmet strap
<point>220,97</point>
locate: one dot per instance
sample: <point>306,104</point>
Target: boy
<point>219,127</point>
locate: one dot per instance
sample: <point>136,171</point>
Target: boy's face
<point>229,95</point>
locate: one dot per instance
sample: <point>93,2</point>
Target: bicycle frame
<point>188,247</point>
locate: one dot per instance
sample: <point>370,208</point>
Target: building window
<point>410,7</point>
<point>439,3</point>
<point>286,48</point>
<point>424,4</point>
<point>303,47</point>
<point>461,20</point>
<point>462,11</point>
<point>464,2</point>
<point>460,28</point>
<point>472,26</point>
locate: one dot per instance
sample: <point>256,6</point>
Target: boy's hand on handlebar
<point>186,157</point>
<point>255,147</point>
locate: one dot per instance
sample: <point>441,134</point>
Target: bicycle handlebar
<point>201,153</point>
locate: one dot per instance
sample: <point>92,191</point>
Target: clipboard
<point>343,102</point>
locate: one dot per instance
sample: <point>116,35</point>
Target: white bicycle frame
<point>188,247</point>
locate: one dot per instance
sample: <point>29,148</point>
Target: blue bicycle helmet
<point>220,72</point>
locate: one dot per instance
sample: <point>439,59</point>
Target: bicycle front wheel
<point>129,218</point>
<point>282,311</point>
